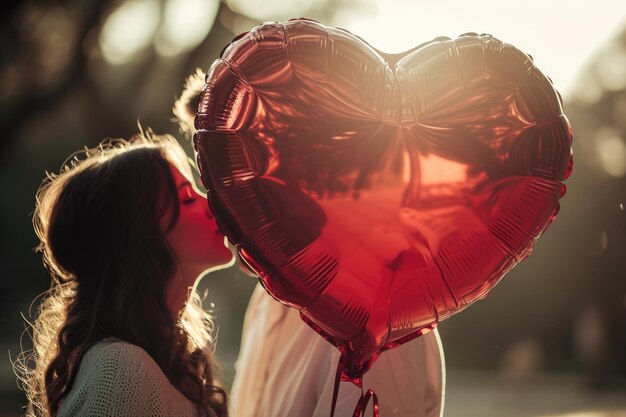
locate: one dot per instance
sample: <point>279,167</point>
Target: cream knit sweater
<point>116,378</point>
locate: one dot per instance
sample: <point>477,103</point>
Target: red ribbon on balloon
<point>379,193</point>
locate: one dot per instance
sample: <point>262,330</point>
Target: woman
<point>122,332</point>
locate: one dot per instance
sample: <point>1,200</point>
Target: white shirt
<point>285,369</point>
<point>116,378</point>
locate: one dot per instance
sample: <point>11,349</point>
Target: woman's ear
<point>185,107</point>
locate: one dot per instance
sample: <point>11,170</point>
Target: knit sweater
<point>116,378</point>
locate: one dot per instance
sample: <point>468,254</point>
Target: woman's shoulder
<point>117,378</point>
<point>117,353</point>
<point>115,360</point>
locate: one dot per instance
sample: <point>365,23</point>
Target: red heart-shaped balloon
<point>379,194</point>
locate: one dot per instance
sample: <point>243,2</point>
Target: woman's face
<point>195,238</point>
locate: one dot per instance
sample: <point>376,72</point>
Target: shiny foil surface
<point>379,193</point>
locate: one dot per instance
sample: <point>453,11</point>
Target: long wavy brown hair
<point>98,221</point>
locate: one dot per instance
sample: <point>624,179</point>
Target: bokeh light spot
<point>129,30</point>
<point>612,152</point>
<point>588,89</point>
<point>185,24</point>
<point>270,10</point>
<point>611,67</point>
